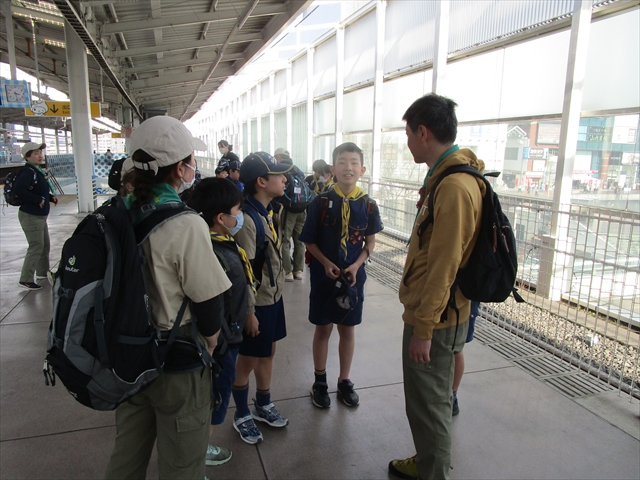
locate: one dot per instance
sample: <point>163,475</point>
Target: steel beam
<point>190,62</point>
<point>192,19</point>
<point>180,79</point>
<point>176,47</point>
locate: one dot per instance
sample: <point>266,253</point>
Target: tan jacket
<point>246,238</point>
<point>447,243</point>
<point>181,263</point>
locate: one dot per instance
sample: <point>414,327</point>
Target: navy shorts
<point>272,329</point>
<point>224,382</point>
<point>323,309</point>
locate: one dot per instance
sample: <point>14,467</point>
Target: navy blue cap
<point>235,165</point>
<point>223,164</point>
<point>259,164</point>
<point>344,294</point>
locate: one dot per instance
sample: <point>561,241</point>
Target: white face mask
<point>239,222</point>
<point>187,185</point>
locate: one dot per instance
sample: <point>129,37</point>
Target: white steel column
<point>11,47</point>
<point>339,83</point>
<point>80,117</point>
<point>57,142</point>
<point>378,80</point>
<point>557,247</point>
<point>258,111</point>
<point>249,147</point>
<point>310,84</point>
<point>66,141</point>
<point>272,115</point>
<point>289,110</point>
<point>440,46</point>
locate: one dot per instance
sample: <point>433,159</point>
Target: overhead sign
<point>41,108</point>
<point>117,135</point>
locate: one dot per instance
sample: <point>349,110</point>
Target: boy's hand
<point>252,326</point>
<point>351,272</point>
<point>331,270</point>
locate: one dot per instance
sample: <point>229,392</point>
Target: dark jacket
<point>231,156</point>
<point>32,188</point>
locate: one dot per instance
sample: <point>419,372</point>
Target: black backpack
<point>297,194</point>
<point>102,343</point>
<point>10,183</point>
<point>490,275</point>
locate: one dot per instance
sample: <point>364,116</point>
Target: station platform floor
<point>512,425</point>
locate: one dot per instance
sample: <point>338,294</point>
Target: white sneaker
<point>297,275</point>
<point>288,277</point>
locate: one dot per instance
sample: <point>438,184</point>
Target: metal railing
<point>582,294</point>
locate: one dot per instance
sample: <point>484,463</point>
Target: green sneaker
<point>217,455</point>
<point>404,468</point>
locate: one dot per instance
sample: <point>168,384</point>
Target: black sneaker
<point>346,393</point>
<point>30,286</point>
<point>320,395</point>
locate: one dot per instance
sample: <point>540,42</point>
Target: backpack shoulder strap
<point>430,199</point>
<point>155,216</point>
<point>255,216</point>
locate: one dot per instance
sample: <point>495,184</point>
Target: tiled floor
<point>511,424</point>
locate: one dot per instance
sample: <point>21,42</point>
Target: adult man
<point>436,252</point>
<point>292,224</point>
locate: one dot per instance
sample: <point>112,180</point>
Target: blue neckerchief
<point>259,206</point>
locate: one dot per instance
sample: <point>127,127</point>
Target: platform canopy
<point>150,55</point>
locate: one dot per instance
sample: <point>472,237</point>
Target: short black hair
<point>347,147</point>
<point>250,187</point>
<point>435,112</point>
<point>213,196</point>
<point>318,165</point>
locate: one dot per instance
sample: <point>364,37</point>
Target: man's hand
<point>331,270</point>
<point>41,204</point>
<point>419,350</point>
<point>252,326</point>
<point>54,200</point>
<point>351,272</point>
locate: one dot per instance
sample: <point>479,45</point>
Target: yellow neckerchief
<point>248,271</point>
<point>272,227</point>
<point>317,183</point>
<point>355,194</point>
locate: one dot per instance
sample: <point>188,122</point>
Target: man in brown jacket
<point>429,342</point>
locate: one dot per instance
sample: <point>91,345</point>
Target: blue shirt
<point>324,227</point>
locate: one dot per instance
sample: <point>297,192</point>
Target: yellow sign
<point>116,135</point>
<point>41,108</point>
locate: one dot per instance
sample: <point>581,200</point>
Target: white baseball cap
<point>30,146</point>
<point>166,139</point>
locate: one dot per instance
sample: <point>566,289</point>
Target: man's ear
<point>364,169</point>
<point>333,170</point>
<point>424,132</point>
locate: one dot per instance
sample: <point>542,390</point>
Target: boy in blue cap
<point>340,234</point>
<point>234,174</point>
<point>260,237</point>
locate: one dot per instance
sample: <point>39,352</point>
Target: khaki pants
<point>428,399</point>
<point>36,260</point>
<point>292,227</point>
<point>176,409</point>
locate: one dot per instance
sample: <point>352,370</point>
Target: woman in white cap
<point>32,187</point>
<point>175,411</point>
